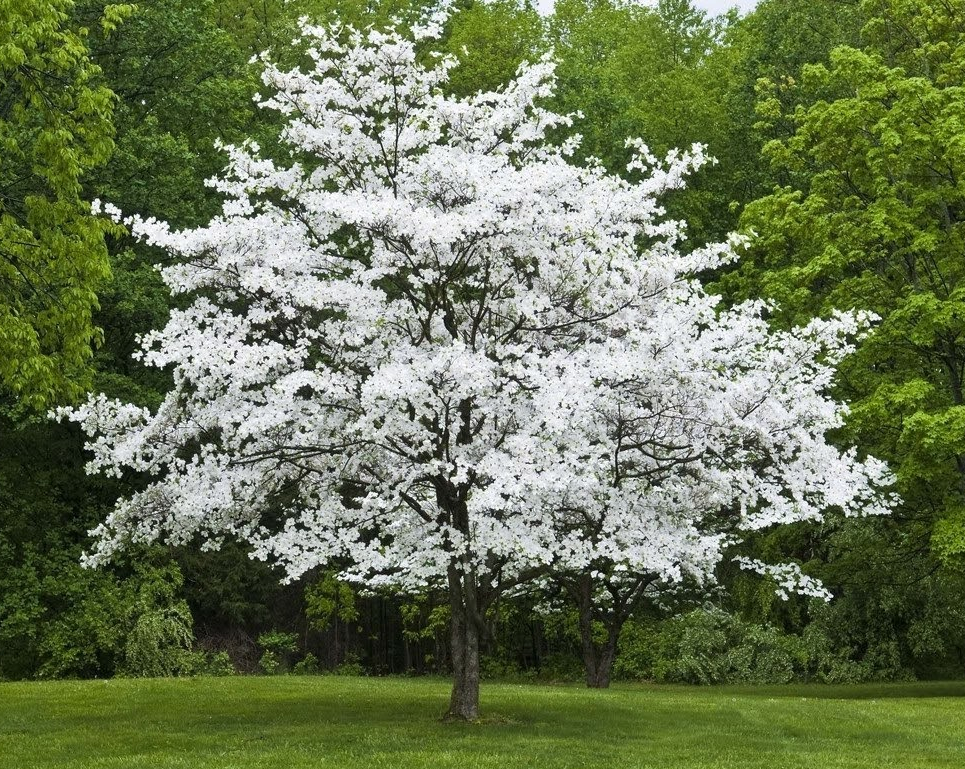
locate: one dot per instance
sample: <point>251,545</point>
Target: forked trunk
<point>597,658</point>
<point>464,702</point>
<point>599,666</point>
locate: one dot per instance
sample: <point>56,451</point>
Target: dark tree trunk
<point>598,663</point>
<point>597,658</point>
<point>465,601</point>
<point>463,595</point>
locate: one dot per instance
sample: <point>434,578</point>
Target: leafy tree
<point>870,218</point>
<point>866,152</point>
<point>589,39</point>
<point>55,129</point>
<point>418,349</point>
<point>180,83</point>
<point>655,73</point>
<point>56,618</point>
<point>159,633</point>
<point>183,84</point>
<point>491,40</point>
<point>55,126</point>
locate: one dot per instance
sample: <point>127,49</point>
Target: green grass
<point>292,722</point>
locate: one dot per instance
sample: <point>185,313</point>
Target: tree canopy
<point>55,126</point>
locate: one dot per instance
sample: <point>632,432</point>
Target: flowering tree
<point>678,433</point>
<point>412,347</point>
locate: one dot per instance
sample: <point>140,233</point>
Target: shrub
<point>161,627</point>
<point>352,666</point>
<point>560,667</point>
<point>499,667</point>
<point>278,648</point>
<point>709,646</point>
<point>218,664</point>
<point>308,666</point>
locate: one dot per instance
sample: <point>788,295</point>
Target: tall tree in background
<point>180,83</point>
<point>55,126</point>
<point>871,218</point>
<point>868,214</point>
<point>634,70</point>
<point>764,49</point>
<point>490,40</point>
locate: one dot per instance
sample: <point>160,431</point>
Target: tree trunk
<point>597,659</point>
<point>464,632</point>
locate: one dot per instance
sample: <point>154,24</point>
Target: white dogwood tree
<point>665,442</point>
<point>430,347</point>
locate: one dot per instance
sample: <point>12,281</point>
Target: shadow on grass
<point>364,723</point>
<point>875,691</point>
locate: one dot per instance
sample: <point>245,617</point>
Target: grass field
<point>292,722</point>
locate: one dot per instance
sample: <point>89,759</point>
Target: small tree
<point>685,430</point>
<point>386,335</point>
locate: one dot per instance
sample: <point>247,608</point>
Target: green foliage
<point>491,40</point>
<point>869,217</point>
<point>328,601</point>
<point>711,646</point>
<point>278,642</point>
<point>55,126</point>
<point>217,664</point>
<point>896,611</point>
<point>307,666</point>
<point>161,626</point>
<point>56,619</point>
<point>270,663</point>
<point>560,666</point>
<point>636,71</point>
<point>183,83</point>
<point>498,667</point>
<point>350,666</point>
<point>422,621</point>
<point>278,648</point>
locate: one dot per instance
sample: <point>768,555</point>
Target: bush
<point>161,633</point>
<point>352,666</point>
<point>218,664</point>
<point>278,648</point>
<point>497,667</point>
<point>58,619</point>
<point>270,664</point>
<point>308,666</point>
<point>560,667</point>
<point>709,646</point>
<point>832,665</point>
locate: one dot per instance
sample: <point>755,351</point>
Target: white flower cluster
<point>788,577</point>
<point>431,343</point>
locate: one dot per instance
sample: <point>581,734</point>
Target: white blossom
<point>431,342</point>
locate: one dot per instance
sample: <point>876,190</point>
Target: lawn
<point>291,722</point>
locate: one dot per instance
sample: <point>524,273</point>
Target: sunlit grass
<point>288,722</point>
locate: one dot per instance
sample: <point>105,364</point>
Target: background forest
<point>838,127</point>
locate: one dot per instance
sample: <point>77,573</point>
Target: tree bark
<point>464,632</point>
<point>597,659</point>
